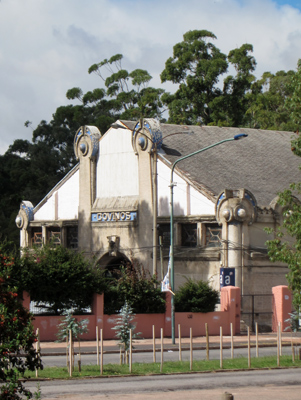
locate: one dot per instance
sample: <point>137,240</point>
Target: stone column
<point>86,144</point>
<point>233,209</point>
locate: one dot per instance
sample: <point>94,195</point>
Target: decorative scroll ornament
<point>86,141</point>
<point>147,135</point>
<point>236,206</point>
<point>25,215</point>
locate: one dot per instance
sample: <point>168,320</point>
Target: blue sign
<point>114,216</point>
<point>227,277</point>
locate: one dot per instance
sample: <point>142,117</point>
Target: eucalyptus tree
<point>196,66</point>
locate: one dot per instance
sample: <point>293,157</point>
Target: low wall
<point>230,313</point>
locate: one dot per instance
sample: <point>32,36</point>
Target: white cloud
<point>48,46</point>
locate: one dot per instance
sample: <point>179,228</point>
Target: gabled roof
<point>262,163</point>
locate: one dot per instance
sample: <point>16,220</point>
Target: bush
<point>196,297</point>
<point>16,336</point>
<point>58,276</point>
<point>133,285</point>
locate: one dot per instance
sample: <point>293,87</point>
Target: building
<point>115,203</point>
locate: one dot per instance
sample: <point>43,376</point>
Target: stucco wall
<point>63,203</point>
<point>187,201</point>
<point>117,165</point>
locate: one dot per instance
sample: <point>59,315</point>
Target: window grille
<point>213,235</point>
<point>189,235</point>
<point>54,236</point>
<point>37,239</point>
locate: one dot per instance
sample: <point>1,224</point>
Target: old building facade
<point>115,203</point>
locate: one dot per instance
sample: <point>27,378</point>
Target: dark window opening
<point>164,233</point>
<point>189,235</point>
<point>72,237</point>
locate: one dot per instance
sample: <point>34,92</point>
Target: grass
<point>168,367</point>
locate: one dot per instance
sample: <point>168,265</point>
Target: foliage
<point>196,297</point>
<point>196,66</point>
<point>17,354</point>
<point>131,97</point>
<point>286,247</point>
<point>268,102</point>
<point>59,276</point>
<point>133,284</point>
<point>70,323</point>
<point>124,326</point>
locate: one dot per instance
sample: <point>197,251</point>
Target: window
<point>36,237</point>
<point>54,236</point>
<point>213,235</point>
<point>164,232</point>
<point>189,235</point>
<point>72,237</point>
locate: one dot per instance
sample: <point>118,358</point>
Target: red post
<point>230,301</point>
<point>98,309</point>
<point>282,307</point>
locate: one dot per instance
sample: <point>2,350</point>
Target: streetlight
<point>171,259</point>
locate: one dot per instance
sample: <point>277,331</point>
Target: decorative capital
<point>25,215</point>
<point>236,206</point>
<point>86,141</point>
<point>147,135</point>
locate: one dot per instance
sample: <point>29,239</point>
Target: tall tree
<point>286,247</point>
<point>269,102</point>
<point>131,96</point>
<point>230,107</point>
<point>196,66</point>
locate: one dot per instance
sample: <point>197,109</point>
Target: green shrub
<point>134,285</point>
<point>196,297</point>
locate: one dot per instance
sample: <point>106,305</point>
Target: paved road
<point>244,385</point>
<point>147,357</point>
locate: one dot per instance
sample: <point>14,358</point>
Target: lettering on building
<point>114,216</point>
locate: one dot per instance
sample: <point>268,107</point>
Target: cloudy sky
<point>47,46</point>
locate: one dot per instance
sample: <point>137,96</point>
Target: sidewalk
<point>146,345</point>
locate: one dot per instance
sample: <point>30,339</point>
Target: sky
<point>47,46</point>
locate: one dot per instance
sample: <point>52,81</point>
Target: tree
<point>58,276</point>
<point>17,354</point>
<point>133,284</point>
<point>293,101</point>
<point>286,247</point>
<point>268,102</point>
<point>123,327</point>
<point>196,67</point>
<point>196,297</point>
<point>131,97</point>
<point>230,107</point>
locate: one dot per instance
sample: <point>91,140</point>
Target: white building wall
<point>63,203</point>
<point>117,165</point>
<point>68,198</point>
<point>187,200</point>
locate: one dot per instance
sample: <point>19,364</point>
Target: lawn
<point>168,367</point>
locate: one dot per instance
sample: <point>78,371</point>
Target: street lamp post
<point>172,184</point>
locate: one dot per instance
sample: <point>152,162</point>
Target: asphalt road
<point>147,357</point>
<point>275,384</point>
